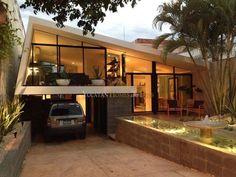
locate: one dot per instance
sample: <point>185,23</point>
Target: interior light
<point>48,96</point>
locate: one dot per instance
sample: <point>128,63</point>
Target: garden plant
<point>205,29</point>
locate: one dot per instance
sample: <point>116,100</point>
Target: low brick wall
<point>187,153</point>
<point>117,107</point>
<point>14,154</point>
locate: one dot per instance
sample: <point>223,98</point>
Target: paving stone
<point>98,157</point>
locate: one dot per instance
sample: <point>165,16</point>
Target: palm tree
<point>206,28</point>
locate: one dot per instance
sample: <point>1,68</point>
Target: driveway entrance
<point>98,157</point>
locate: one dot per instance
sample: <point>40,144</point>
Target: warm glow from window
<point>82,100</point>
<point>137,65</point>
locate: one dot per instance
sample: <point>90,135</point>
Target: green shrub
<point>9,115</point>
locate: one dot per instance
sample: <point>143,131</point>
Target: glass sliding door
<point>184,88</point>
<point>165,90</point>
<point>142,101</point>
<point>170,86</point>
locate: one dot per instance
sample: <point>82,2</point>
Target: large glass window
<point>51,55</point>
<point>42,62</point>
<point>136,65</point>
<point>173,87</point>
<point>72,59</point>
<point>44,37</point>
<point>94,58</point>
<point>161,68</point>
<point>67,41</point>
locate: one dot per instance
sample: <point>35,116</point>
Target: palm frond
<point>170,46</point>
<point>161,38</point>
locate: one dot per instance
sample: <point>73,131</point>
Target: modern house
<point>50,52</point>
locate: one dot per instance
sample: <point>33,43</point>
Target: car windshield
<point>62,110</point>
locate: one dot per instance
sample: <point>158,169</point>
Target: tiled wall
<point>116,107</point>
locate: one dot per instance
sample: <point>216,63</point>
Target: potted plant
<point>63,79</point>
<point>97,76</point>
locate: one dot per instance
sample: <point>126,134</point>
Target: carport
<point>101,110</point>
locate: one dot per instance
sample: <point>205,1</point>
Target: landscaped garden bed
<point>179,144</point>
<point>15,138</point>
<point>13,150</point>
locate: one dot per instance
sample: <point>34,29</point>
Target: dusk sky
<point>127,24</point>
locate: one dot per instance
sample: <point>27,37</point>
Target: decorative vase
<point>63,82</point>
<point>98,82</point>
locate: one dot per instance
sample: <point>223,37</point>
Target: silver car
<point>66,118</point>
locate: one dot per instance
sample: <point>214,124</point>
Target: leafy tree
<point>205,29</point>
<point>88,13</point>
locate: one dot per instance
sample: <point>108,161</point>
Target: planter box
<point>63,82</point>
<point>185,152</point>
<point>13,154</point>
<point>98,82</point>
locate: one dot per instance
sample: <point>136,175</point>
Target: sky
<point>127,24</point>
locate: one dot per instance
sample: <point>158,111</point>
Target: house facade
<point>50,52</point>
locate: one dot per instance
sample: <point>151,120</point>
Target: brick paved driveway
<point>98,157</point>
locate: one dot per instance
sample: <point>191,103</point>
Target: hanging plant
<point>8,39</point>
<point>8,34</point>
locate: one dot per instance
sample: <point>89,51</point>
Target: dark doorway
<point>36,111</point>
<point>96,107</point>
